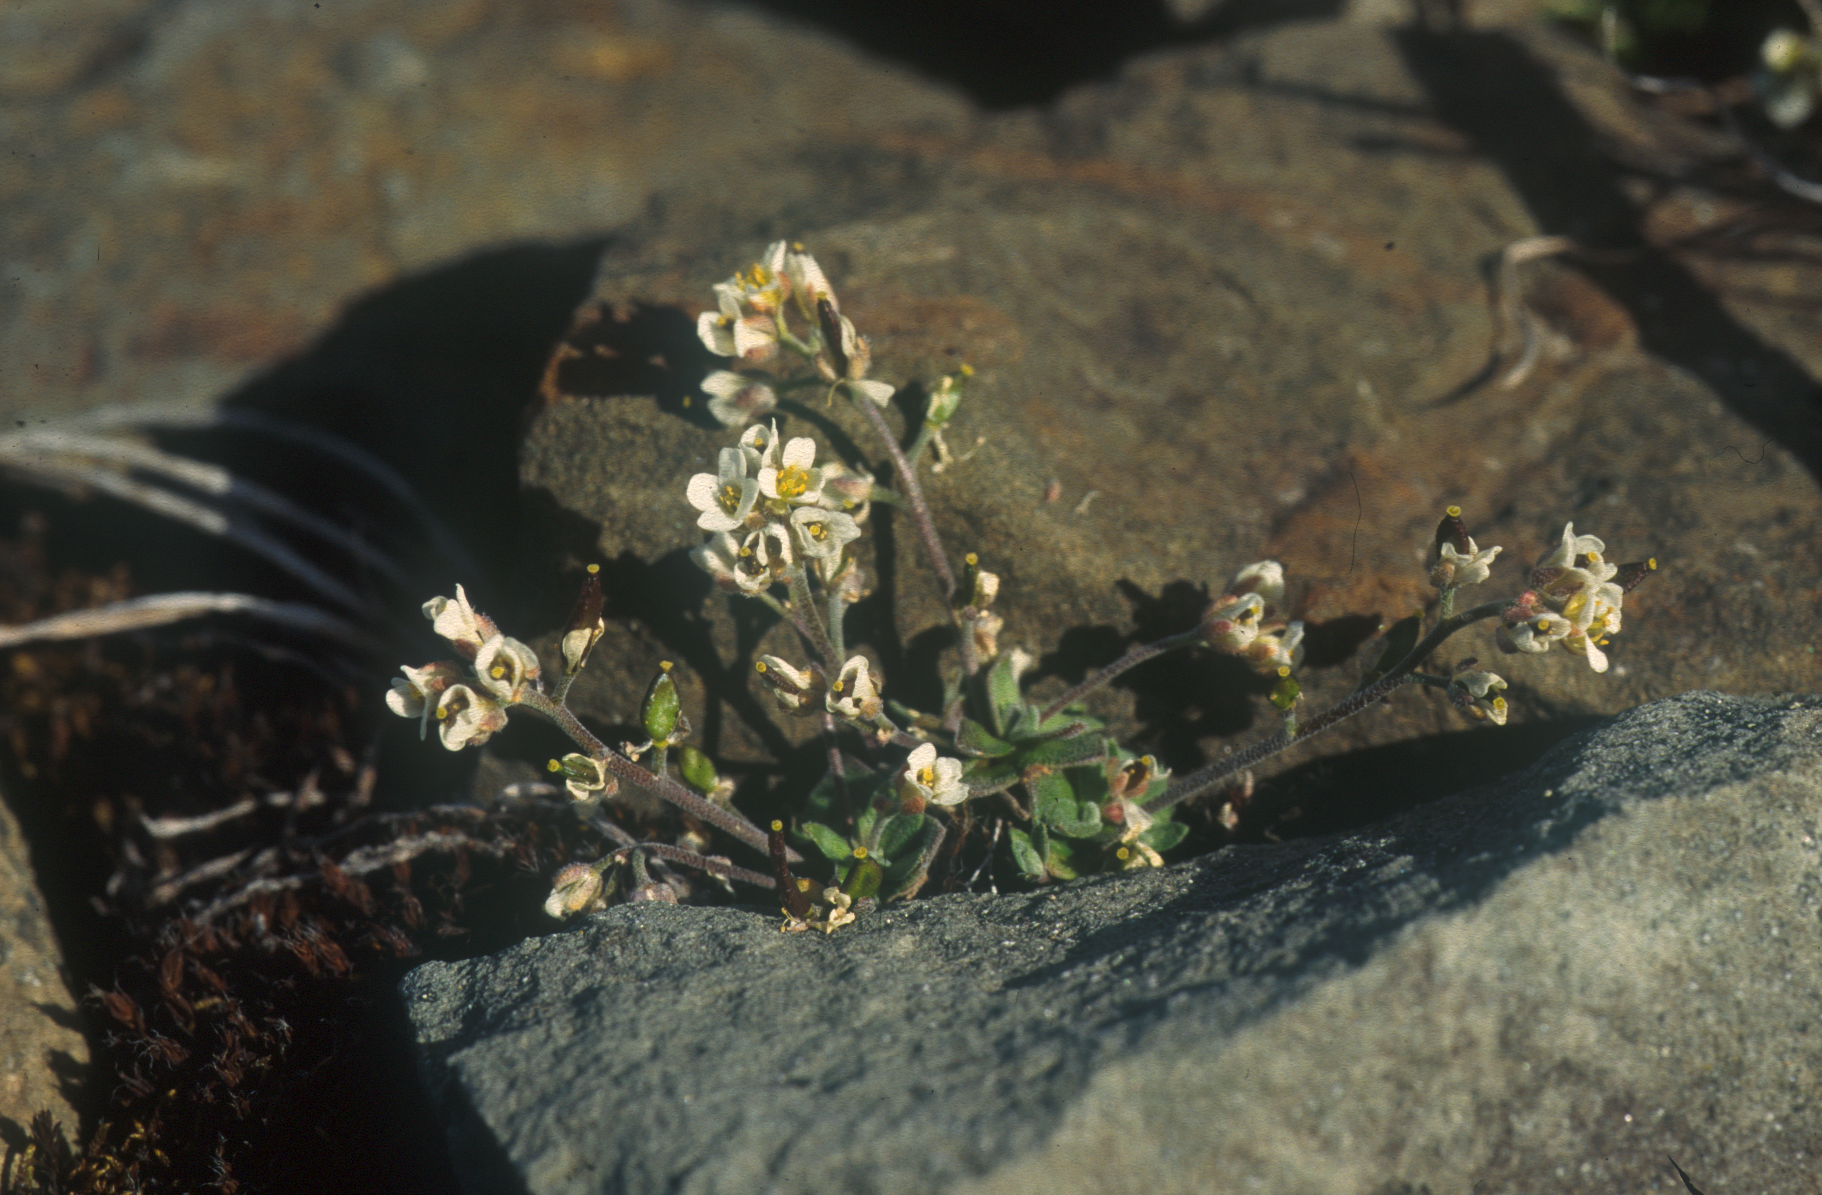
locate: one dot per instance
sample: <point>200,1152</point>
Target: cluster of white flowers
<point>766,510</point>
<point>1573,600</point>
<point>468,702</point>
<point>1789,76</point>
<point>1241,621</point>
<point>751,324</point>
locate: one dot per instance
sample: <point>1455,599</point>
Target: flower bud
<point>946,398</point>
<point>1630,575</point>
<point>585,626</point>
<point>864,876</point>
<point>798,690</point>
<point>575,889</point>
<point>662,707</point>
<point>697,770</point>
<point>584,777</point>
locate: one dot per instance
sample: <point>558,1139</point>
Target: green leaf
<point>824,804</point>
<point>901,830</point>
<point>1063,718</point>
<point>973,739</point>
<point>832,845</point>
<point>1003,693</point>
<point>1061,809</point>
<point>989,775</point>
<point>1022,721</point>
<point>1068,753</point>
<point>903,873</point>
<point>1061,861</point>
<point>1164,835</point>
<point>1024,855</point>
<point>1090,784</point>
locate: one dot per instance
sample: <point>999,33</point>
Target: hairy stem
<point>804,617</point>
<point>1400,674</point>
<point>913,493</point>
<point>1131,659</point>
<point>638,777</point>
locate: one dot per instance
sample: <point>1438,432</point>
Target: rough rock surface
<point>1546,983</point>
<point>42,1051</point>
<point>1237,290</point>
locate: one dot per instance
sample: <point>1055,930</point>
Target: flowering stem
<point>807,621</point>
<point>838,772</point>
<point>838,610</point>
<point>913,493</point>
<point>715,867</point>
<point>638,777</point>
<point>1400,674</point>
<point>1133,658</point>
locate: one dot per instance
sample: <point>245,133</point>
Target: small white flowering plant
<point>785,526</point>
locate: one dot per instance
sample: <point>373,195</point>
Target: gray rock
<point>41,1043</point>
<point>1547,983</point>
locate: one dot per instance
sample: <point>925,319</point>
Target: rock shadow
<point>1488,87</point>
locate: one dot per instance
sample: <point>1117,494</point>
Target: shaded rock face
<point>1558,978</point>
<point>42,1051</point>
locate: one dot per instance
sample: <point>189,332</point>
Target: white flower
<point>1454,569</point>
<point>1534,634</point>
<point>846,356</point>
<point>854,694</point>
<point>736,400</point>
<point>760,445</point>
<point>1233,623</point>
<point>925,778</point>
<point>1579,552</point>
<point>1266,578</point>
<point>795,480</point>
<point>879,392</point>
<point>727,499</point>
<point>585,776</point>
<point>822,533</point>
<point>1788,78</point>
<point>1576,582</point>
<point>731,333</point>
<point>1282,648</point>
<point>1478,693</point>
<point>806,281</point>
<point>467,717</point>
<point>412,694</point>
<point>504,667</point>
<point>846,489</point>
<point>795,689</point>
<point>575,889</point>
<point>732,567</point>
<point>460,623</point>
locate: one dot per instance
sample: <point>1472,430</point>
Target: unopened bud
<point>585,627</point>
<point>575,889</point>
<point>662,707</point>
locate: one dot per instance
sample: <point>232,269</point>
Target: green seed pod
<point>1284,692</point>
<point>864,875</point>
<point>662,706</point>
<point>697,769</point>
